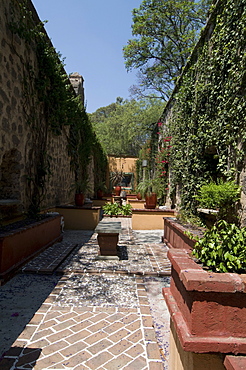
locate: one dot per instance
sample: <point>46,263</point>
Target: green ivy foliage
<point>223,248</point>
<point>207,124</point>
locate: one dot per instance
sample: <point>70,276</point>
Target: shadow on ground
<point>20,298</point>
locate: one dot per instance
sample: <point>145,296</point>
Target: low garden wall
<point>207,313</point>
<point>19,245</point>
<point>175,234</point>
<point>150,219</point>
<point>137,204</point>
<point>80,218</point>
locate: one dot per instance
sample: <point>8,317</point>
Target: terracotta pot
<point>79,199</point>
<point>99,194</point>
<point>139,196</point>
<point>151,201</point>
<point>117,190</point>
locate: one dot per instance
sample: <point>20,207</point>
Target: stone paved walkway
<point>67,310</point>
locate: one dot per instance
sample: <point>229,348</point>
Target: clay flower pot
<point>151,201</point>
<point>117,190</point>
<point>79,199</point>
<point>139,196</point>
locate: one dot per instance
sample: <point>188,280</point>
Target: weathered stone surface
<point>17,137</point>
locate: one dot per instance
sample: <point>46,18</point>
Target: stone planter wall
<point>150,219</point>
<point>135,203</point>
<point>79,218</point>
<point>19,245</point>
<point>207,310</point>
<point>235,362</point>
<point>174,235</point>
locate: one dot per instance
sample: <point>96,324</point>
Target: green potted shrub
<point>100,189</point>
<point>148,189</point>
<point>222,248</point>
<point>82,187</point>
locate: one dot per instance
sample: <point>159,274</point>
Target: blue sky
<point>90,34</point>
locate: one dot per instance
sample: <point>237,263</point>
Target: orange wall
<point>122,164</point>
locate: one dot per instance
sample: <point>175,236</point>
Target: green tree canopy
<point>123,127</point>
<point>165,33</point>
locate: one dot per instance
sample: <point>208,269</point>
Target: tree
<point>124,129</point>
<point>165,33</point>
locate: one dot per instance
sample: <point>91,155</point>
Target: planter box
<point>80,218</point>
<point>150,219</point>
<point>209,216</point>
<point>101,202</point>
<point>19,245</point>
<point>174,235</point>
<point>131,196</point>
<point>135,203</point>
<point>207,309</point>
<point>235,362</point>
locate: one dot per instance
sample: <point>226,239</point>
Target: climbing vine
<point>207,123</point>
<point>50,106</point>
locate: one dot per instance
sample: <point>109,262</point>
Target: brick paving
<point>109,315</point>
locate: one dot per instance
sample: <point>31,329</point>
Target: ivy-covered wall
<point>207,112</point>
<point>46,138</point>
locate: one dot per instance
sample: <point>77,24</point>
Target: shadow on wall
<point>10,192</point>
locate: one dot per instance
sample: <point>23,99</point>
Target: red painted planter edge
<point>195,278</point>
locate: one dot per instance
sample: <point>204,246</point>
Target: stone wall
<point>199,114</point>
<point>16,136</point>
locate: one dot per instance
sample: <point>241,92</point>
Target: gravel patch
<point>99,290</point>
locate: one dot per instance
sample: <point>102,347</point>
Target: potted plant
<point>82,187</point>
<point>148,189</point>
<point>116,178</point>
<point>100,189</point>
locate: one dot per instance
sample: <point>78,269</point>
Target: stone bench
<point>108,237</point>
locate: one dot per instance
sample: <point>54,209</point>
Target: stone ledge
<point>195,278</point>
<point>150,219</point>
<point>84,207</point>
<point>196,343</point>
<point>155,210</point>
<point>235,362</point>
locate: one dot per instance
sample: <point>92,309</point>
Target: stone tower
<point>77,82</point>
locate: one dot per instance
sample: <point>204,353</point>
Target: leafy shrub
<point>223,248</point>
<point>222,196</point>
<point>191,235</point>
<point>126,210</point>
<point>115,209</point>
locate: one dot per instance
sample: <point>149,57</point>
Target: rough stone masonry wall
<point>15,133</point>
